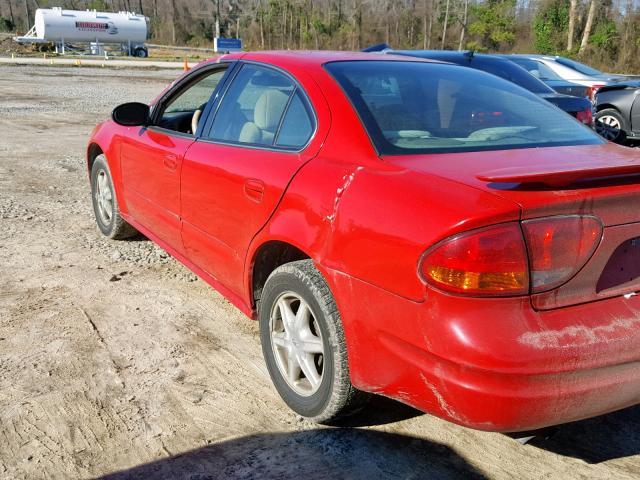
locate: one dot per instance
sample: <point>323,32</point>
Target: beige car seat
<point>266,117</point>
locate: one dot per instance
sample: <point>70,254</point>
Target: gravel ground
<point>117,362</point>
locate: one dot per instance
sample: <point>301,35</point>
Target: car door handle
<point>254,189</point>
<point>170,161</point>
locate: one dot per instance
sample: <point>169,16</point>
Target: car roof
<point>532,55</point>
<point>445,54</point>
<point>313,57</point>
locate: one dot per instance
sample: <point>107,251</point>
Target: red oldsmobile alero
<point>415,229</point>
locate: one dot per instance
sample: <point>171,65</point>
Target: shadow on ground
<point>380,410</point>
<point>324,453</point>
<point>599,439</point>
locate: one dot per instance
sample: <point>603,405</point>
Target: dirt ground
<point>117,362</point>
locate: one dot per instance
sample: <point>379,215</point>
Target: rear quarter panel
<point>621,100</point>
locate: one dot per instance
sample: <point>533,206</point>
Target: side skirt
<point>210,279</point>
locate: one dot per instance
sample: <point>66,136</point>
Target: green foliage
<point>605,36</point>
<point>6,25</point>
<point>550,26</point>
<point>494,22</point>
<point>99,5</point>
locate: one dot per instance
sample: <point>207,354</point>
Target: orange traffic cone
<point>186,65</point>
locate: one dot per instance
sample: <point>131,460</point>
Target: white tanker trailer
<point>62,27</point>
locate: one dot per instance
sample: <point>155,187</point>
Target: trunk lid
<point>568,103</point>
<point>601,180</point>
<point>568,88</point>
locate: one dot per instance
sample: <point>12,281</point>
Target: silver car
<point>574,71</point>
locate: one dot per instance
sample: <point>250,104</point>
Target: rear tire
<point>611,125</point>
<point>304,346</point>
<point>105,203</point>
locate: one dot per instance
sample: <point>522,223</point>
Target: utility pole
<point>26,18</point>
<point>217,24</point>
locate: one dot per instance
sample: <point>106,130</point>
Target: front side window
<point>437,108</point>
<point>262,107</point>
<point>181,113</point>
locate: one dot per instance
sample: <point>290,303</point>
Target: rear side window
<point>297,126</point>
<point>446,108</point>
<point>262,107</point>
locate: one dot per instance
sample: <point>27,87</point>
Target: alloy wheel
<point>104,197</point>
<point>297,344</point>
<point>608,126</point>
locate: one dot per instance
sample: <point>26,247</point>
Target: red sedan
<point>409,228</point>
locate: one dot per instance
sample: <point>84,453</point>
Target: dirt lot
<point>116,361</point>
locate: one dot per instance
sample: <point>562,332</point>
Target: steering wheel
<point>196,118</point>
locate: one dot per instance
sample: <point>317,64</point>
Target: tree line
<point>604,33</point>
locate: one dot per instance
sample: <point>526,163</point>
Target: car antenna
<point>469,53</point>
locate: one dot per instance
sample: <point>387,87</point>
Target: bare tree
<point>444,27</point>
<point>587,28</point>
<point>573,12</point>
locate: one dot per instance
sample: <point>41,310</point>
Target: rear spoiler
<point>619,86</point>
<point>563,174</point>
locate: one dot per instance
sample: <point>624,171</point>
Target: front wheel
<point>304,346</point>
<point>105,203</point>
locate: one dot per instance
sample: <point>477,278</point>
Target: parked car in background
<point>618,111</point>
<point>547,75</point>
<point>411,228</point>
<point>573,71</point>
<point>579,108</point>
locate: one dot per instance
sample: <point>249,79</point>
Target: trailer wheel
<point>141,52</point>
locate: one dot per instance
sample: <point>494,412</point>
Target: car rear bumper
<point>492,364</point>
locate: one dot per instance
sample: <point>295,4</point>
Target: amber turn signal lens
<point>486,262</point>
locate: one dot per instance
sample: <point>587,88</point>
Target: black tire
<point>608,132</point>
<point>112,225</point>
<point>141,53</point>
<point>335,397</point>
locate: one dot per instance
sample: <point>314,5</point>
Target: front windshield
<point>415,107</point>
<point>580,67</point>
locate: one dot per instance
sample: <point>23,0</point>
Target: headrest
<point>269,109</point>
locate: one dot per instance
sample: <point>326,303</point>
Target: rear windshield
<point>580,67</point>
<point>537,69</point>
<point>510,71</point>
<point>416,107</point>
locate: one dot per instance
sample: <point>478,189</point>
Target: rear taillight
<point>486,262</point>
<point>559,247</point>
<point>512,259</point>
<point>585,116</point>
<point>592,90</point>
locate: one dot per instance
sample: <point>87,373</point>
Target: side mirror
<point>131,114</point>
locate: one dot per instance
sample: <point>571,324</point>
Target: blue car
<point>580,108</point>
<point>542,72</point>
